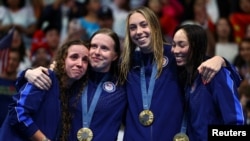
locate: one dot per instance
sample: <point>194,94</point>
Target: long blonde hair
<point>157,41</point>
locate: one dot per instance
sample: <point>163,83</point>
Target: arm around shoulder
<point>39,77</point>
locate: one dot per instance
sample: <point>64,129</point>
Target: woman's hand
<point>39,77</point>
<point>210,67</point>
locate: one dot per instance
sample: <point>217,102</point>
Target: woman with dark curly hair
<point>98,112</point>
<point>35,114</point>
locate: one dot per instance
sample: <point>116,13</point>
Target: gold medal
<point>181,137</point>
<point>84,134</point>
<point>146,117</point>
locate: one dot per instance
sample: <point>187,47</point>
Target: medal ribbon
<point>187,96</point>
<point>147,93</point>
<point>184,119</point>
<point>87,115</point>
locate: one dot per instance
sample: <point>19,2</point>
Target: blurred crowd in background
<point>41,26</point>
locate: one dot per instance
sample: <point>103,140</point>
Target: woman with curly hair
<point>35,114</point>
<point>98,112</point>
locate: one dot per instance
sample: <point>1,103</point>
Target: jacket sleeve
<point>233,73</point>
<point>225,94</point>
<point>26,104</point>
<point>21,81</point>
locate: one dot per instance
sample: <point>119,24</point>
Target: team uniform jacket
<point>33,109</point>
<point>216,103</point>
<point>167,101</point>
<point>109,111</point>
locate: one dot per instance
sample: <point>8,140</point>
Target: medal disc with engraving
<point>146,117</point>
<point>84,134</point>
<point>181,137</point>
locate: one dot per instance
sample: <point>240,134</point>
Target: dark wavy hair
<point>66,92</point>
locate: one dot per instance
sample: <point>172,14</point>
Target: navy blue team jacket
<point>33,109</point>
<point>167,101</point>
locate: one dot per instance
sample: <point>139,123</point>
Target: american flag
<point>5,44</point>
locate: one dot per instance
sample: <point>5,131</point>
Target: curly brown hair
<point>67,92</point>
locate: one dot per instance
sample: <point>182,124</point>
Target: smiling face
<point>139,32</point>
<point>76,61</point>
<point>180,47</point>
<point>102,52</point>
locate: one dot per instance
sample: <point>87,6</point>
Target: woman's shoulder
<point>52,74</point>
<point>167,46</point>
<point>225,75</point>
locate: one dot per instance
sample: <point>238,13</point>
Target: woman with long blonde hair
<point>155,96</point>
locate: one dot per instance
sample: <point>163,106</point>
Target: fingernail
<point>204,82</point>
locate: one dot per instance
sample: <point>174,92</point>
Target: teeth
<point>139,39</point>
<point>178,57</point>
